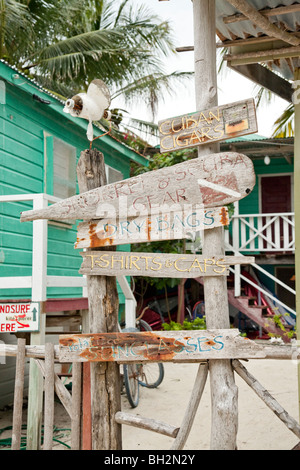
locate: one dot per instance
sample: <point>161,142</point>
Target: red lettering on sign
<point>7,327</point>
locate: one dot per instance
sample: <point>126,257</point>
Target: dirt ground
<point>258,429</point>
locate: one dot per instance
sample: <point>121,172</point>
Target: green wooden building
<point>39,149</point>
<point>263,225</point>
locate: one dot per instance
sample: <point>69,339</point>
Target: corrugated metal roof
<point>246,29</point>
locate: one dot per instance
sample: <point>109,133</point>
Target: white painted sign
<point>210,181</point>
<point>169,226</point>
<point>21,316</point>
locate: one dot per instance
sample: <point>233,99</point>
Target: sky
<point>231,85</point>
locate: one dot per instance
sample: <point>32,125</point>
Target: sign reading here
<point>211,125</point>
<point>19,317</point>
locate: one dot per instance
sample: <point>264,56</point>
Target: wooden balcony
<point>263,233</point>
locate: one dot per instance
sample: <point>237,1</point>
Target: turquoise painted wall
<point>250,204</point>
<point>23,122</point>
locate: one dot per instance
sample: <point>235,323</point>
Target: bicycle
<point>149,375</point>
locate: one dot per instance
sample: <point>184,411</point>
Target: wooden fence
<point>47,356</point>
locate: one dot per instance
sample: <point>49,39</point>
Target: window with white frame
<point>113,175</point>
<point>64,169</point>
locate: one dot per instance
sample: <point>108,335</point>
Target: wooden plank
<point>159,346</point>
<point>267,398</point>
<point>18,395</point>
<point>210,181</point>
<point>224,415</point>
<point>211,125</point>
<point>76,405</point>
<point>271,351</point>
<point>266,78</point>
<point>169,226</point>
<point>102,317</point>
<point>192,408</point>
<point>49,396</point>
<point>168,265</point>
<point>146,423</point>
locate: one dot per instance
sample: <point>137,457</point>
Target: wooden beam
<point>253,40</point>
<point>157,346</point>
<point>267,398</point>
<point>269,12</point>
<point>18,395</point>
<point>264,77</point>
<point>224,390</point>
<point>146,423</point>
<point>252,57</point>
<point>103,317</point>
<point>297,216</point>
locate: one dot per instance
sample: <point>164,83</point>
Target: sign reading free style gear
<point>19,317</point>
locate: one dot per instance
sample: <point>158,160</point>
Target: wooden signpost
<point>175,225</point>
<point>211,125</point>
<point>214,180</point>
<point>117,263</point>
<point>157,346</point>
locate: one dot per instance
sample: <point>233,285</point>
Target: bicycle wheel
<point>131,374</point>
<point>152,373</point>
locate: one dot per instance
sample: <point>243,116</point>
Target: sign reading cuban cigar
<point>211,125</point>
<point>158,346</point>
<point>208,182</point>
<point>115,263</point>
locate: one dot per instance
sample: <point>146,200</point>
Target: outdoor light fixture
<point>267,160</point>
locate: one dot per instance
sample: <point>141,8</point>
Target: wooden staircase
<point>257,313</point>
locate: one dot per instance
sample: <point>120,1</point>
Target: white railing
<point>39,280</point>
<point>264,232</point>
<point>238,277</point>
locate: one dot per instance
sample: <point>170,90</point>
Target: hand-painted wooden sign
<point>16,317</point>
<point>168,226</point>
<point>158,346</point>
<point>211,125</point>
<point>211,181</point>
<point>117,263</point>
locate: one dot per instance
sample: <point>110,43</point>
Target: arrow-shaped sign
<point>211,181</point>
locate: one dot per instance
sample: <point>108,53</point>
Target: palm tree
<point>64,44</point>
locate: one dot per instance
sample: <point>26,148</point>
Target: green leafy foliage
<point>197,324</point>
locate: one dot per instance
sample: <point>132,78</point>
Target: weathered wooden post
<point>223,388</point>
<point>103,317</point>
<point>297,209</point>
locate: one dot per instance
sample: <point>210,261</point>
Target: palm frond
<point>152,88</point>
<point>285,123</point>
